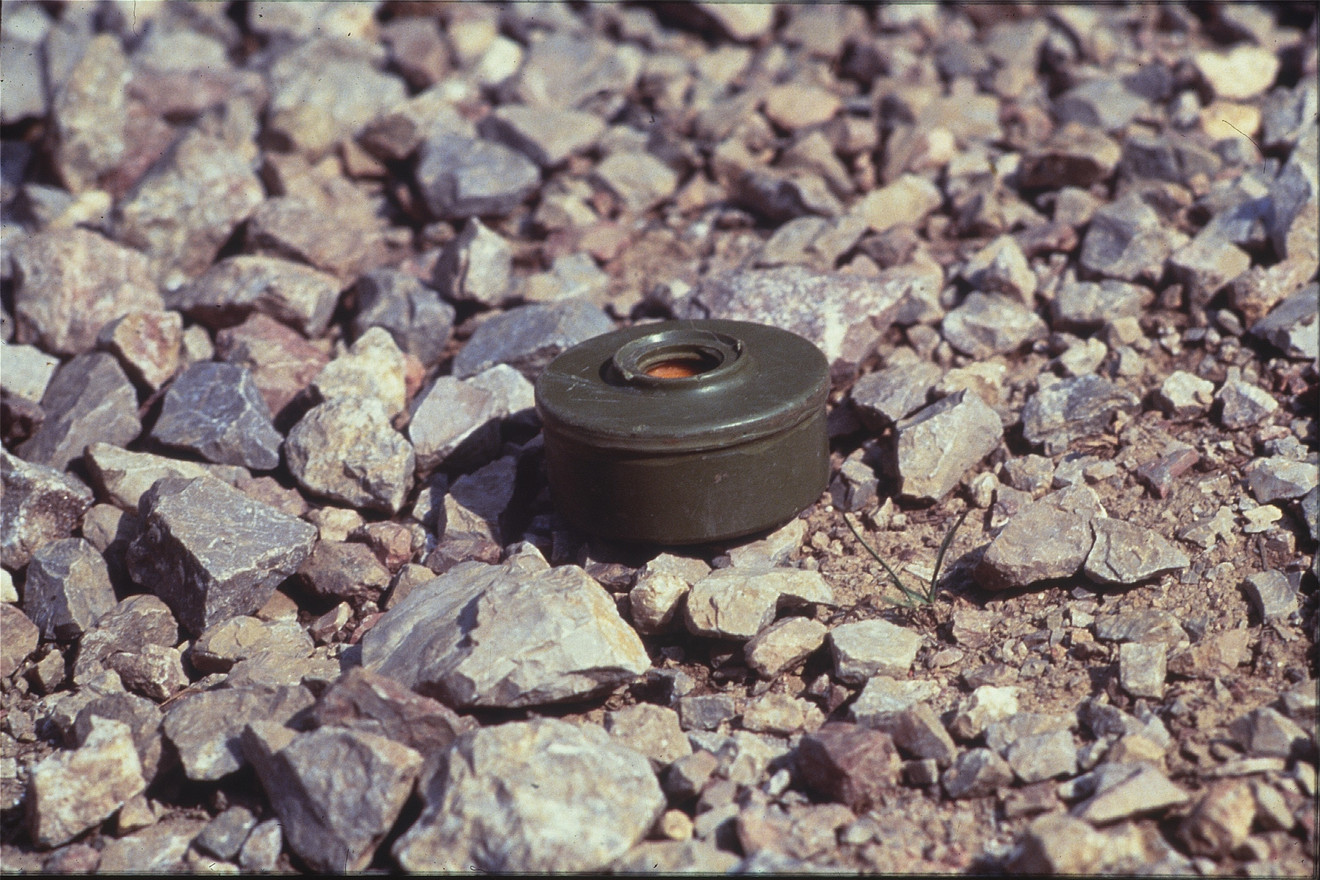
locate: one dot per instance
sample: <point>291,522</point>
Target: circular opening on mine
<point>677,358</point>
<point>679,364</point>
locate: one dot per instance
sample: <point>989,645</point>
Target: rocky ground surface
<point>283,587</point>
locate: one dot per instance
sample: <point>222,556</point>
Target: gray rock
<point>1075,155</point>
<point>1206,264</point>
<point>654,599</point>
<point>1276,478</point>
<point>297,295</point>
<point>1291,325</point>
<point>1059,845</point>
<point>989,324</point>
<point>261,850</point>
<point>1050,538</point>
<point>546,135</point>
<point>1105,720</point>
<point>223,836</point>
<point>68,589</point>
<point>462,177</point>
<point>884,695</point>
<point>1104,102</point>
<point>28,370</point>
<point>21,639</point>
<point>130,626</point>
<point>1286,113</point>
<point>347,450</point>
<point>1267,733</point>
<point>1029,473</point>
<point>225,643</point>
<point>571,276</point>
<point>206,728</point>
<point>1146,626</point>
<point>141,715</point>
<point>887,396</point>
<point>772,550</point>
<point>1242,404</point>
<point>637,179</point>
<point>781,715</point>
<point>39,504</point>
<point>540,795</point>
<point>1042,756</point>
<point>1087,305</point>
<point>784,644</point>
<point>872,647</point>
<point>1127,240</point>
<point>1142,668</point>
<point>26,98</point>
<point>986,705</point>
<point>215,410</point>
<point>938,445</point>
<point>323,89</point>
<point>675,856</point>
<point>1311,513</point>
<point>1125,553</point>
<point>458,420</point>
<point>341,571</point>
<point>337,792</point>
<point>154,671</point>
<point>517,634</point>
<point>476,504</point>
<point>373,367</point>
<point>529,337</point>
<point>575,70</point>
<point>71,791</point>
<point>476,266</point>
<point>976,773</point>
<point>650,730</point>
<point>1272,594</point>
<point>855,485</point>
<point>1220,820</point>
<point>365,701</point>
<point>706,711</point>
<point>842,314</point>
<point>181,213</point>
<point>89,399</point>
<point>414,315</point>
<point>157,849</point>
<point>1001,267</point>
<point>70,282</point>
<point>122,476</point>
<point>1072,408</point>
<point>1184,395</point>
<point>1142,789</point>
<point>211,552</point>
<point>734,603</point>
<point>918,732</point>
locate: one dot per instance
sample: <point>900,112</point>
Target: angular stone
<point>1184,395</point>
<point>919,733</point>
<point>734,603</point>
<point>1001,267</point>
<point>1142,668</point>
<point>842,315</point>
<point>332,233</point>
<point>39,504</point>
<point>129,626</point>
<point>1104,103</point>
<point>1127,240</point>
<point>347,450</point>
<point>476,504</point>
<point>986,705</point>
<point>781,715</point>
<point>1147,626</point>
<point>706,711</point>
<point>936,447</point>
<point>158,849</point>
<point>89,399</point>
<point>462,177</point>
<point>848,763</point>
<point>783,645</point>
<point>153,671</point>
<point>1271,593</point>
<point>68,589</point>
<point>206,728</point>
<point>527,338</point>
<point>72,791</point>
<point>905,201</point>
<point>414,315</point>
<point>1277,478</point>
<point>211,552</point>
<point>976,773</point>
<point>343,571</point>
<point>281,361</point>
<point>518,634</point>
<point>124,476</point>
<point>1087,305</point>
<point>28,370</point>
<point>21,638</point>
<point>1291,325</point>
<point>1242,404</point>
<point>884,695</point>
<point>297,295</point>
<point>655,599</point>
<point>1266,732</point>
<point>476,266</point>
<point>89,113</point>
<point>1125,553</point>
<point>650,730</point>
<point>1073,408</point>
<point>637,179</point>
<point>148,345</point>
<point>1075,155</point>
<point>1059,845</point>
<point>985,325</point>
<point>373,368</point>
<point>460,419</point>
<point>548,136</point>
<point>1042,756</point>
<point>558,797</point>
<point>768,552</point>
<point>570,276</point>
<point>1143,789</point>
<point>1239,74</point>
<point>230,641</point>
<point>337,792</point>
<point>371,703</point>
<point>1050,538</point>
<point>1206,264</point>
<point>215,410</point>
<point>675,856</point>
<point>184,210</point>
<point>872,647</point>
<point>1220,821</point>
<point>855,485</point>
<point>1214,656</point>
<point>224,835</point>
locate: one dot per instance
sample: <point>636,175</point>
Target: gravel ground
<point>283,585</point>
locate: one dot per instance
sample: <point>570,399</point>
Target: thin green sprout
<point>912,598</point>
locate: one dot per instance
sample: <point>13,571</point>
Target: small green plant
<point>913,598</point>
